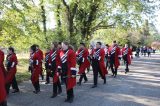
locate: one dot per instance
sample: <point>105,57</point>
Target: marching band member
<point>127,55</point>
<point>114,55</point>
<point>40,53</point>
<point>54,64</point>
<point>11,64</point>
<point>36,68</point>
<point>106,55</point>
<point>3,94</point>
<point>83,62</point>
<point>98,64</point>
<point>48,73</point>
<point>68,64</point>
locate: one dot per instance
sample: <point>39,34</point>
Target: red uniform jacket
<point>3,94</point>
<point>55,57</point>
<point>83,53</point>
<point>35,64</point>
<point>117,52</point>
<point>128,52</point>
<point>11,69</point>
<point>1,62</point>
<point>40,53</point>
<point>71,63</point>
<point>101,61</point>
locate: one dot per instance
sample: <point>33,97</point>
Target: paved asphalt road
<point>140,87</point>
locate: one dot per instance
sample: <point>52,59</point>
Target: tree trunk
<point>44,23</point>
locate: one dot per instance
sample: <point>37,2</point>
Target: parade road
<point>140,87</point>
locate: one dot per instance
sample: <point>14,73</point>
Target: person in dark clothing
<point>55,66</point>
<point>106,56</point>
<point>137,51</point>
<point>114,56</point>
<point>127,56</point>
<point>68,65</point>
<point>98,64</point>
<point>48,73</point>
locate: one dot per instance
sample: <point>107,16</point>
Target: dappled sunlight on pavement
<point>140,87</point>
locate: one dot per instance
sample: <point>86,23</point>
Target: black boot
<point>59,88</point>
<point>126,70</point>
<point>54,95</point>
<point>47,83</point>
<point>15,85</point>
<point>94,86</point>
<point>3,103</point>
<point>85,78</point>
<point>59,91</point>
<point>8,88</point>
<point>37,88</point>
<point>16,91</point>
<point>85,81</point>
<point>55,86</point>
<point>115,73</point>
<point>79,83</point>
<point>80,80</point>
<point>104,80</point>
<point>42,76</point>
<point>88,69</point>
<point>36,92</point>
<point>67,99</point>
<point>71,100</point>
<point>70,96</point>
<point>47,79</point>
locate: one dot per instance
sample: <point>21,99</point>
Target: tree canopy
<point>24,22</point>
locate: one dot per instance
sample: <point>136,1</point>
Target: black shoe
<point>88,71</point>
<point>47,83</point>
<point>115,76</point>
<point>70,100</point>
<point>62,83</point>
<point>85,81</point>
<point>66,100</point>
<point>54,95</point>
<point>3,104</point>
<point>104,81</point>
<point>42,77</point>
<point>36,92</point>
<point>59,91</point>
<point>126,70</point>
<point>79,83</point>
<point>15,91</point>
<point>94,86</point>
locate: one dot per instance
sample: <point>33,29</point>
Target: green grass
<point>22,70</point>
